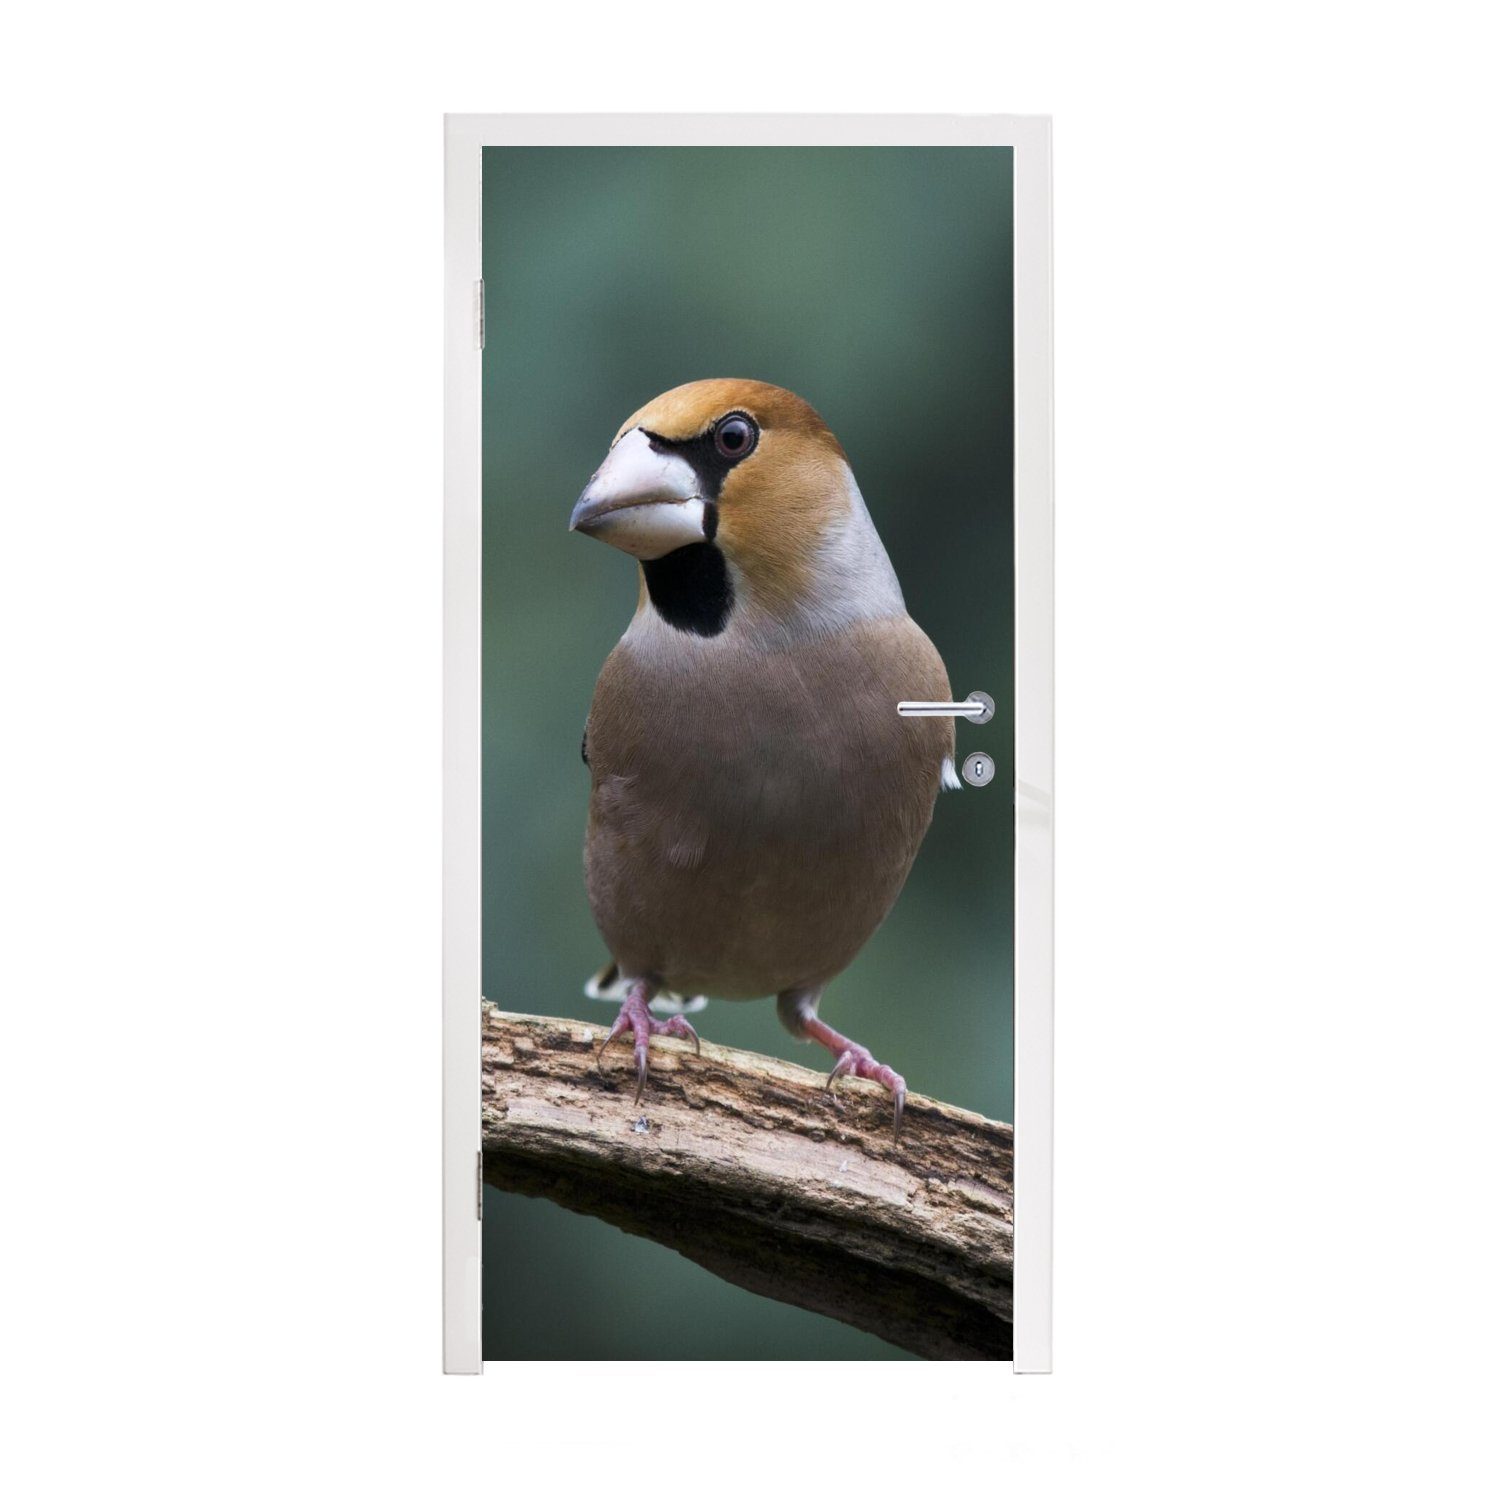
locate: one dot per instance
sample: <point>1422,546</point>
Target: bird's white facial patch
<point>643,502</point>
<point>951,781</point>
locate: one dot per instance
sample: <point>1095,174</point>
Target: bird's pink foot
<point>858,1061</point>
<point>798,1010</point>
<point>636,1018</point>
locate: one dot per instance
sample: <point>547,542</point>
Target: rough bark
<point>746,1165</point>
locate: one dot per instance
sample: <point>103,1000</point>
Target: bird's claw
<point>856,1061</point>
<point>635,1018</point>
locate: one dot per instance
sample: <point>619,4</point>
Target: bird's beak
<point>643,502</point>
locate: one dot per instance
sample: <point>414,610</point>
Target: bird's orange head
<point>725,488</point>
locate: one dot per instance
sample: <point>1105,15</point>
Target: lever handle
<point>978,708</point>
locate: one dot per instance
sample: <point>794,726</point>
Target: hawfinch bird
<point>757,801</point>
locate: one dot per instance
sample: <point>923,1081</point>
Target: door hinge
<point>479,1188</point>
<point>479,311</point>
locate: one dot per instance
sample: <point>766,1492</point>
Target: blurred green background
<point>875,282</point>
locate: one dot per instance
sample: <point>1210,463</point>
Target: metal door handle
<point>979,708</point>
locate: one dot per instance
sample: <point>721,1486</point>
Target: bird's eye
<point>735,436</point>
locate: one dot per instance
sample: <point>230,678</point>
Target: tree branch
<point>744,1164</point>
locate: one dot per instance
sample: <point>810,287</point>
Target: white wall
<point>220,585</point>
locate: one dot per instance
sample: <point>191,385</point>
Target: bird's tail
<point>610,984</point>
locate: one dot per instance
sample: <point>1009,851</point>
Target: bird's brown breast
<point>755,811</point>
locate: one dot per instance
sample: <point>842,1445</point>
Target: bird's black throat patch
<point>691,588</point>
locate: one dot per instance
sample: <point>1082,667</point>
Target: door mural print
<point>726,773</point>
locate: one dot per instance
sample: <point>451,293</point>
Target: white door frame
<point>1031,139</point>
